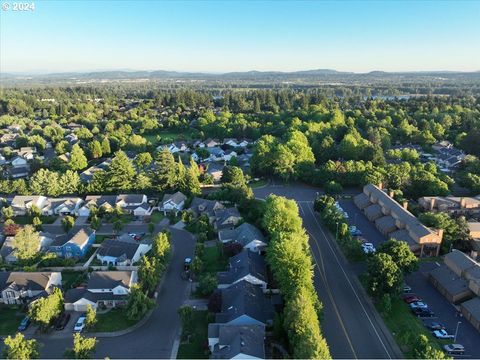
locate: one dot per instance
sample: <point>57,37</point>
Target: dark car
<point>24,324</point>
<point>411,299</point>
<point>435,326</point>
<point>62,321</point>
<point>423,312</point>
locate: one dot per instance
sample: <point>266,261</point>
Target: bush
<point>207,284</point>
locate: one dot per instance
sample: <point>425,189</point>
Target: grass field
<point>406,328</point>
<point>213,260</point>
<point>114,320</point>
<point>195,346</point>
<point>9,319</point>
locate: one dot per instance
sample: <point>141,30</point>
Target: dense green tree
<point>138,303</point>
<point>120,174</point>
<point>95,149</point>
<point>68,222</point>
<point>26,243</point>
<point>83,347</point>
<point>44,310</point>
<point>164,177</point>
<point>78,160</point>
<point>19,348</point>
<point>91,317</point>
<point>423,349</point>
<point>383,276</point>
<point>160,245</point>
<point>149,273</point>
<point>401,255</point>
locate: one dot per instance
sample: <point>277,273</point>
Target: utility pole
<point>336,232</point>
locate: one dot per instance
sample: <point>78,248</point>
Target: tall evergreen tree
<point>78,160</point>
<point>120,174</point>
<point>164,176</point>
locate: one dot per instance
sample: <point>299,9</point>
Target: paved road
<point>351,325</point>
<point>155,338</point>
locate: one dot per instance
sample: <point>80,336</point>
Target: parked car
<point>411,299</point>
<point>418,305</point>
<point>454,349</point>
<point>187,263</point>
<point>435,326</point>
<point>368,248</point>
<point>62,321</point>
<point>80,324</point>
<point>423,313</point>
<point>442,334</point>
<point>24,324</point>
<point>407,289</point>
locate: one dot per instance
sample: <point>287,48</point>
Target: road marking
<point>349,282</point>
<point>323,274</point>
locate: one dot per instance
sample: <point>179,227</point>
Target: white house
<point>63,206</point>
<point>121,253</point>
<point>104,289</point>
<point>173,202</point>
<point>21,204</point>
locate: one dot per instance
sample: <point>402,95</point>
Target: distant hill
<point>305,76</point>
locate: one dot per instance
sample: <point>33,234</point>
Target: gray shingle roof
<point>77,236</point>
<point>109,279</point>
<point>118,249</point>
<point>243,264</point>
<point>25,280</point>
<point>236,340</point>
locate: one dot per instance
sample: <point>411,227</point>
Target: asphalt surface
<point>351,325</point>
<point>156,337</point>
<point>446,313</point>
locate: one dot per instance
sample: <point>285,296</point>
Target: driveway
<point>155,338</point>
<point>351,325</point>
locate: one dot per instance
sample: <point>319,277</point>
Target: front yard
<point>113,320</point>
<point>156,217</point>
<point>194,342</point>
<point>10,318</point>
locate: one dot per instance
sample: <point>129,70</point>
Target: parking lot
<point>445,312</point>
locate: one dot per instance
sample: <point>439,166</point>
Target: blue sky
<point>221,36</point>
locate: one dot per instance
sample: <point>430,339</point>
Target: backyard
<point>72,279</point>
<point>214,260</point>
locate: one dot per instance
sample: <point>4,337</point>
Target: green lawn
<point>406,328</point>
<point>114,320</point>
<point>156,217</point>
<point>71,279</point>
<point>195,346</point>
<point>214,260</point>
<point>10,318</point>
<point>100,238</point>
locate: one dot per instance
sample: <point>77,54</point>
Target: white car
<point>454,349</point>
<point>80,324</point>
<point>368,248</point>
<point>442,334</point>
<point>418,305</point>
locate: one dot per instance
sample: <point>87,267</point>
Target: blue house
<point>75,244</point>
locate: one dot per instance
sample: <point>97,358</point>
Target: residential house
<point>105,289</point>
<point>247,235</point>
<point>71,138</point>
<point>23,287</point>
<point>229,155</point>
<point>62,206</point>
<point>245,304</point>
<point>215,170</point>
<point>245,266</point>
<point>172,148</point>
<point>136,204</point>
<point>21,204</point>
<point>236,341</point>
<point>395,221</point>
<point>216,154</point>
<point>452,205</point>
<point>116,252</point>
<point>210,143</point>
<point>226,218</point>
<point>27,153</point>
<point>18,172</point>
<point>101,202</point>
<point>173,202</point>
<point>3,161</point>
<point>75,244</point>
<point>201,206</point>
<point>471,311</point>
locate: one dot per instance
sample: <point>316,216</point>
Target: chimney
<point>405,205</point>
<point>463,203</point>
<point>391,193</point>
<point>433,200</point>
<point>380,185</point>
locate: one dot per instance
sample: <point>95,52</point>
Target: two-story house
<point>246,235</point>
<point>75,244</point>
<point>116,252</point>
<point>173,202</point>
<point>23,287</point>
<point>245,266</point>
<point>104,289</point>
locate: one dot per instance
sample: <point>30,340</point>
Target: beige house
<point>452,205</point>
<point>395,221</point>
